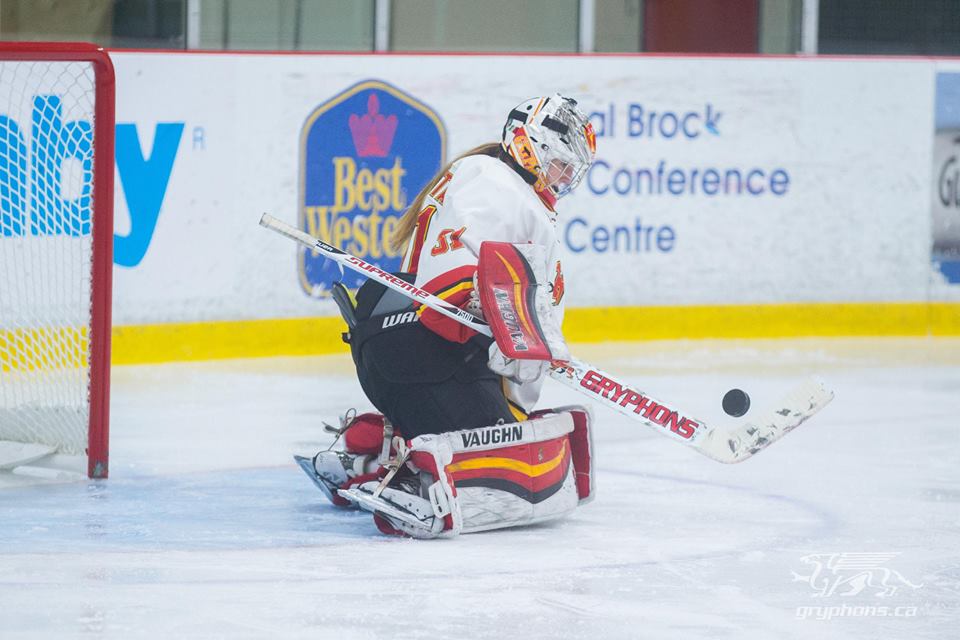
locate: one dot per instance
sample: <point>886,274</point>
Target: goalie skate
<point>364,436</point>
<point>330,470</point>
<point>403,510</point>
<point>328,488</point>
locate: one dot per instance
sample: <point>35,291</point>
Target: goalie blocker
<point>504,475</point>
<point>516,299</point>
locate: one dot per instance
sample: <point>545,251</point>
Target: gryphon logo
<point>364,153</point>
<point>851,573</point>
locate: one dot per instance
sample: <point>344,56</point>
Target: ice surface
<point>206,527</point>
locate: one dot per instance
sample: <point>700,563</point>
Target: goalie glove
<point>515,369</point>
<point>473,305</point>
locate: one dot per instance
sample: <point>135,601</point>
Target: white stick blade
<point>795,408</point>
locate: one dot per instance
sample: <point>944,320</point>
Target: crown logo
<point>372,132</point>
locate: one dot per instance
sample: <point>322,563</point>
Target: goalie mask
<point>553,141</point>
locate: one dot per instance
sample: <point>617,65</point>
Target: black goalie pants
<point>423,383</point>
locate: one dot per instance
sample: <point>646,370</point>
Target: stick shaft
<point>373,271</point>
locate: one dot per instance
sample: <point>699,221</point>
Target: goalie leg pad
<point>489,478</point>
<point>529,480</point>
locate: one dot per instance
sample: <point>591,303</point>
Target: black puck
<point>736,402</point>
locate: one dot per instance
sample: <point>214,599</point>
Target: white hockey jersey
<point>479,199</point>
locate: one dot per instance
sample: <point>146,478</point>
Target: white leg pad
<point>505,475</point>
<point>490,478</point>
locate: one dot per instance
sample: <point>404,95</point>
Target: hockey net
<point>56,235</point>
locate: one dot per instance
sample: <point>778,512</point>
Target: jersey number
<point>448,240</point>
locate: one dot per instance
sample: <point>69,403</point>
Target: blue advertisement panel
<point>364,155</point>
<point>32,180</point>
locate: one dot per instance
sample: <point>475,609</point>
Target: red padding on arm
<point>454,287</point>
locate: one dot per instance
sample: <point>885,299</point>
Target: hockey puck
<point>736,402</point>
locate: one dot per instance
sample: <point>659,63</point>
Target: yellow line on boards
<point>763,321</point>
<point>142,344</point>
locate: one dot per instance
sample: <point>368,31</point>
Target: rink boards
<point>731,197</point>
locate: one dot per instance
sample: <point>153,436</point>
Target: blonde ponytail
<point>408,222</point>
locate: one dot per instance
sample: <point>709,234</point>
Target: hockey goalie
<point>456,446</point>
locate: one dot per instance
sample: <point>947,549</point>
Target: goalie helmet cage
<point>56,248</point>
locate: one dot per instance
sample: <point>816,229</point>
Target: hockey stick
<point>727,446</point>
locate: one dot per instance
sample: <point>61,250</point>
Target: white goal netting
<point>46,249</point>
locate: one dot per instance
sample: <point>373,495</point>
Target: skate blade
<point>411,524</point>
<point>328,489</point>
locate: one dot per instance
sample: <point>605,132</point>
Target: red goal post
<point>56,253</point>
